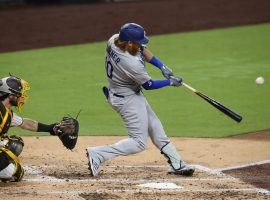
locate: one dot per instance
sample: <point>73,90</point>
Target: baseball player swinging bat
<point>216,104</point>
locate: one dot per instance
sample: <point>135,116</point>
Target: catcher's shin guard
<point>10,168</point>
<point>177,165</point>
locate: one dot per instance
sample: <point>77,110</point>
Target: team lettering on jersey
<point>113,55</point>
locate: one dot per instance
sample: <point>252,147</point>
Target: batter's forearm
<point>152,59</point>
<point>166,71</point>
<point>155,84</point>
<point>147,54</point>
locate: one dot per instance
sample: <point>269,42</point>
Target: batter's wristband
<point>155,61</point>
<point>46,128</point>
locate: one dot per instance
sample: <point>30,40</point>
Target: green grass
<point>221,63</point>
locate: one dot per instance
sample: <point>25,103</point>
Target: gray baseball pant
<point>140,121</point>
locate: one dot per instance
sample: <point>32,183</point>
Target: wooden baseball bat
<point>216,104</point>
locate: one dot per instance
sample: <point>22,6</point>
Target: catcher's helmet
<point>133,32</point>
<point>16,86</point>
<point>10,85</point>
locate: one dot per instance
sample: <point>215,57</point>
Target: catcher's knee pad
<point>13,143</point>
<point>10,166</point>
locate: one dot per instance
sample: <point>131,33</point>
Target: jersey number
<point>109,69</point>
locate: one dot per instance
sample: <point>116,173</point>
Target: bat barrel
<point>221,107</point>
<point>216,104</point>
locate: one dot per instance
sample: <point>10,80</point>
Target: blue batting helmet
<point>133,32</point>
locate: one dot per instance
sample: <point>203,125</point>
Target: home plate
<point>161,185</point>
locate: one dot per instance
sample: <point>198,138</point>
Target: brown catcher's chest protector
<point>5,119</point>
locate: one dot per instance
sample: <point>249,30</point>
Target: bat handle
<point>189,87</point>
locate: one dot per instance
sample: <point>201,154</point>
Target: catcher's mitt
<point>67,131</point>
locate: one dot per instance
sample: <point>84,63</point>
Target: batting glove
<point>175,81</point>
<point>166,71</point>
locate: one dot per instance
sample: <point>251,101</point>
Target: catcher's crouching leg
<point>10,166</point>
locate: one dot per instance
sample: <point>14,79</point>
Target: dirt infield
<point>230,168</point>
<point>52,172</point>
<point>258,175</point>
<point>45,26</point>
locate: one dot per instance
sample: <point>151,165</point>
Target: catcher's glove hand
<point>67,131</point>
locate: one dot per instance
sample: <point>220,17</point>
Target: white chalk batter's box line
<point>87,191</point>
<point>200,167</point>
<point>38,169</point>
<point>35,170</point>
<point>243,166</point>
<point>49,179</point>
<point>195,165</point>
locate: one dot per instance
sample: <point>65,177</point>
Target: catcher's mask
<point>16,87</point>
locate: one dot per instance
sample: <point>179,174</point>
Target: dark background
<point>36,26</point>
<point>37,2</point>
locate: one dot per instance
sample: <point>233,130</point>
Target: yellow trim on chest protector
<point>14,157</point>
<point>8,112</point>
<point>16,160</point>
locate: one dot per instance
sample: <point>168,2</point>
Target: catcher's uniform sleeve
<point>16,120</point>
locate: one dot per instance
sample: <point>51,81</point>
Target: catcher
<point>13,92</point>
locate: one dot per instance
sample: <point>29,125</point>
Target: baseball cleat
<point>93,166</point>
<point>186,170</point>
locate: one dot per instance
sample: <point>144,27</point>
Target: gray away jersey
<point>125,72</point>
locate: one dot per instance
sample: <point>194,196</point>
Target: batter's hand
<point>166,71</point>
<point>176,81</point>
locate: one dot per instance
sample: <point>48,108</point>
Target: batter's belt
<point>106,92</point>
